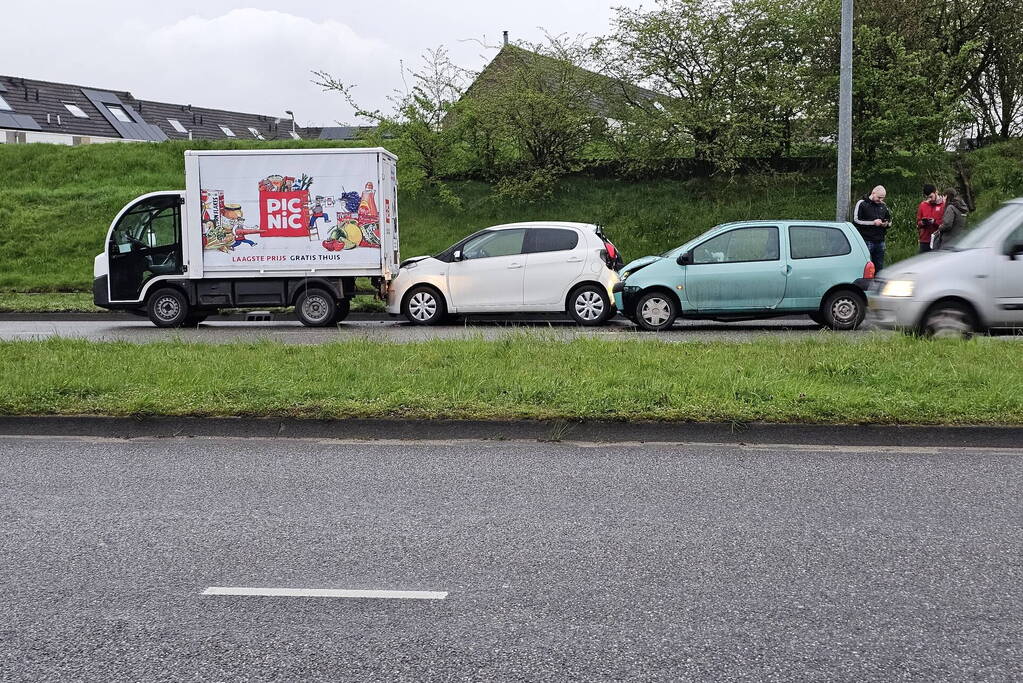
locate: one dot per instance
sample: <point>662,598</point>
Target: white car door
<point>554,259</point>
<point>489,274</point>
<point>1009,280</point>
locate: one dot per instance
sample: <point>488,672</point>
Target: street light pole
<point>844,189</point>
<point>292,114</point>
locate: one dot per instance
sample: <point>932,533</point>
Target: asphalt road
<point>561,561</point>
<point>393,330</point>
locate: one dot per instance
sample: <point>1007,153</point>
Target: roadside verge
<point>519,430</point>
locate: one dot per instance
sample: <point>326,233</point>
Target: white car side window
<point>498,243</point>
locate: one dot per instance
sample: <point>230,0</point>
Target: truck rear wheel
<point>315,308</point>
<point>167,308</point>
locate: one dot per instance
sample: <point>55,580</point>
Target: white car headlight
<point>898,288</point>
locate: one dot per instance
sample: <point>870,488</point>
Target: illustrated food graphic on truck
<point>286,210</point>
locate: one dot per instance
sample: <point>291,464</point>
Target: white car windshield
<point>1009,213</point>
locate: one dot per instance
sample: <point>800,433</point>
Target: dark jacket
<point>954,222</point>
<point>866,212</point>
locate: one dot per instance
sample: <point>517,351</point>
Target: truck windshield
<point>979,236</point>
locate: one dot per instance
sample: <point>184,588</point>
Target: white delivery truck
<point>255,228</point>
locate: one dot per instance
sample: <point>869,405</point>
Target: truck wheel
<point>589,305</point>
<point>167,308</point>
<point>315,308</point>
<point>949,319</point>
<point>423,306</point>
<point>344,307</point>
<point>656,311</point>
<point>844,310</point>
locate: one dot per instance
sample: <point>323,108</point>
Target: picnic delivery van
<point>255,228</point>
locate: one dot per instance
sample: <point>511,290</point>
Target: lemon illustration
<point>351,235</point>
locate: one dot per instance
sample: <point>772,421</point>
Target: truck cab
<point>143,246</point>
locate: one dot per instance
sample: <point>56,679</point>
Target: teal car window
<point>739,246</point>
<point>813,241</point>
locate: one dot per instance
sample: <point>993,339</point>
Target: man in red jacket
<point>928,216</point>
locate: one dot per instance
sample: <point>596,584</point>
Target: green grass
<point>57,202</point>
<point>822,380</point>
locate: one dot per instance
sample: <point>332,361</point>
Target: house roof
<point>603,92</point>
<point>36,105</point>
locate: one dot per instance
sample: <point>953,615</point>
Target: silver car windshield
<point>1009,213</point>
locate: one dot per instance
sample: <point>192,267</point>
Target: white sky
<point>257,57</point>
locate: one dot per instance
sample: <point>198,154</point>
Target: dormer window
<point>176,125</point>
<point>75,110</point>
<point>227,131</point>
<point>256,134</point>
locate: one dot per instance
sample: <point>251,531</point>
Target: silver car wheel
<point>589,305</point>
<point>422,306</point>
<point>949,323</point>
<point>315,308</point>
<point>655,311</point>
<point>844,310</point>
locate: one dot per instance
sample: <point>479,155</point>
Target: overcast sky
<point>257,56</point>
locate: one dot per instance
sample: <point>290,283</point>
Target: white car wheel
<point>423,306</point>
<point>589,305</point>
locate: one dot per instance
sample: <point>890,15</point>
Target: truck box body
<point>331,212</point>
<point>289,218</point>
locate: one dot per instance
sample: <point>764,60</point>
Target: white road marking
<point>325,593</point>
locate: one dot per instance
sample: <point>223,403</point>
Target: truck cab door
<point>145,243</point>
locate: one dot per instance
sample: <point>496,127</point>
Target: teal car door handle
<point>787,269</point>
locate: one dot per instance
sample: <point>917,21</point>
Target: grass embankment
<point>878,380</point>
<point>57,202</point>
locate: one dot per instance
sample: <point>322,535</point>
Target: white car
<point>514,268</point>
<point>975,284</point>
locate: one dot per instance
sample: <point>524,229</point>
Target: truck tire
<point>844,310</point>
<point>656,311</point>
<point>589,305</point>
<point>344,307</point>
<point>315,308</point>
<point>167,308</point>
<point>423,306</point>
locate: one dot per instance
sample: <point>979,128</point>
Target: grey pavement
<point>394,330</point>
<point>562,561</point>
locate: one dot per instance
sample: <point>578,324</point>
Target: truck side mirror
<point>685,258</point>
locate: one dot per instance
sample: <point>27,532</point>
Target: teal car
<point>750,270</point>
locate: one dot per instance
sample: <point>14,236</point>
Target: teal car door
<point>738,270</point>
<point>821,257</point>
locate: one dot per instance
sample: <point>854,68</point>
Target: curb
<point>531,430</point>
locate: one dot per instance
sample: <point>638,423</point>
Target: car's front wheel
<point>423,306</point>
<point>844,310</point>
<point>656,311</point>
<point>589,305</point>
<point>949,319</point>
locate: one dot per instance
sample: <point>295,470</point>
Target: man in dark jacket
<point>872,218</point>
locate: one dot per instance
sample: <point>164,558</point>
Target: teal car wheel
<point>655,311</point>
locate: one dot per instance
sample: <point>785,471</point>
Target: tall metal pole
<point>844,189</point>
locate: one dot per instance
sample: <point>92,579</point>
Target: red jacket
<point>933,211</point>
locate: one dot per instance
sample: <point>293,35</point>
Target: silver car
<point>973,285</point>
